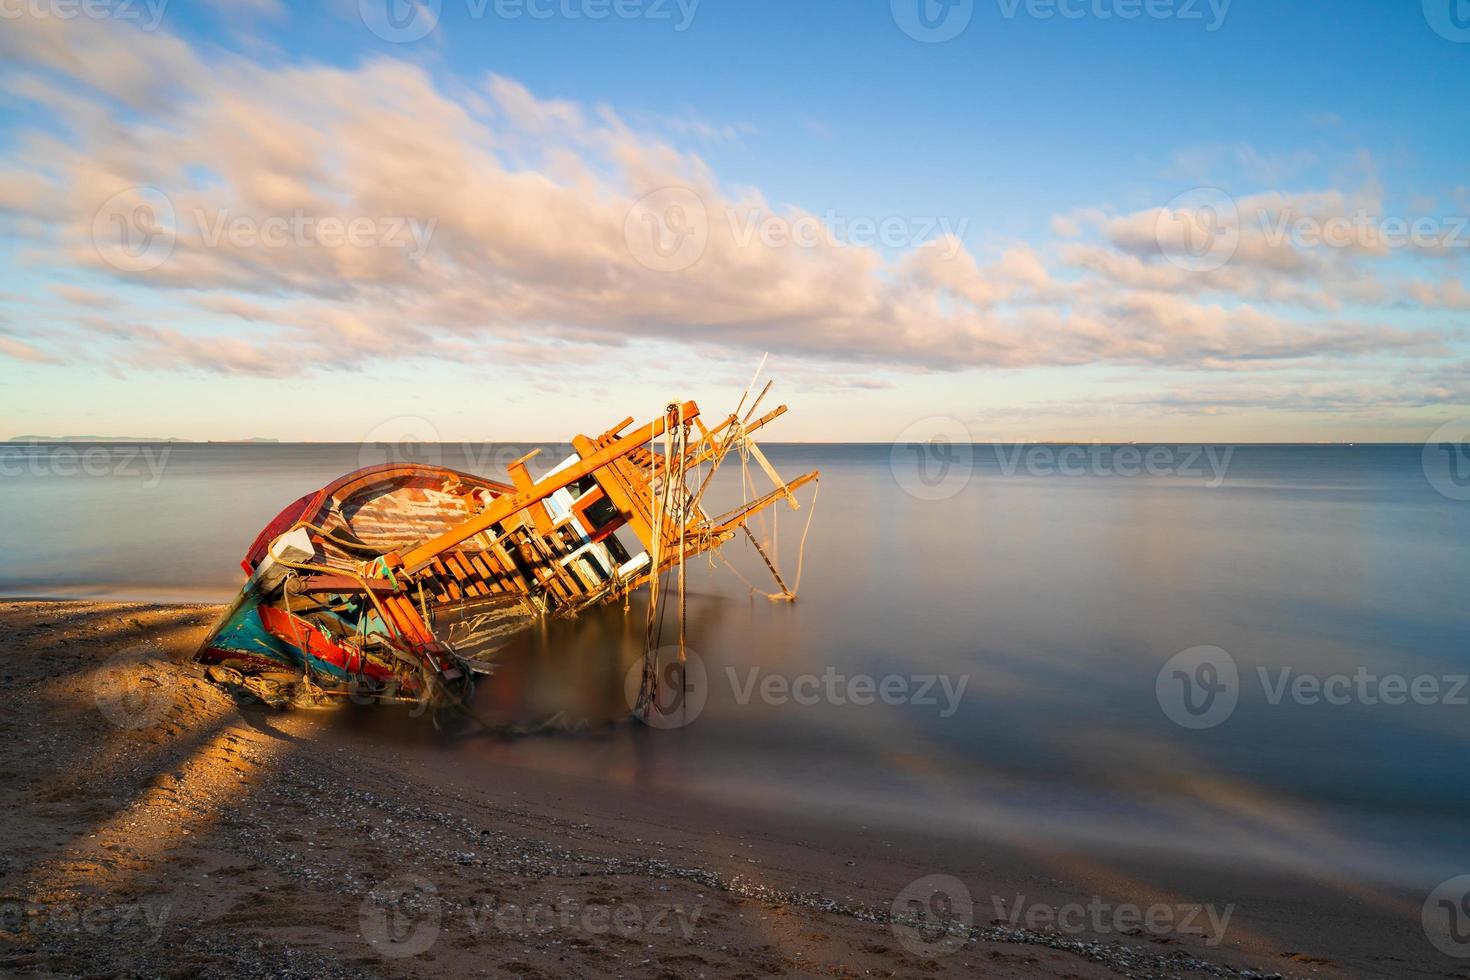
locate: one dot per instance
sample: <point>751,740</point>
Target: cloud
<point>528,113</point>
<point>81,296</point>
<point>1206,164</point>
<point>19,350</point>
<point>115,61</point>
<point>1447,294</point>
<point>1414,388</point>
<point>259,8</point>
<point>499,221</point>
<point>1317,250</point>
<point>949,266</point>
<point>1364,398</point>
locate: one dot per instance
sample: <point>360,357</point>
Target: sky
<point>1152,220</point>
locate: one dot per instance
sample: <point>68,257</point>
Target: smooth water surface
<point>1055,600</point>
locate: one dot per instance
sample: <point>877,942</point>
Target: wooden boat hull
<point>401,581</point>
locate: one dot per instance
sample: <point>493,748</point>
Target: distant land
<point>123,439</point>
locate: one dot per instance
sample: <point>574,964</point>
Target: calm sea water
<point>1055,597</point>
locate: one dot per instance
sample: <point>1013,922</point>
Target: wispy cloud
<point>21,351</point>
<point>536,229</point>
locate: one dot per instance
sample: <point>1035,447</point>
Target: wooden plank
<point>565,584</point>
<point>589,582</point>
<point>512,572</point>
<point>544,574</point>
<point>486,575</point>
<point>760,458</point>
<point>727,522</point>
<point>465,576</point>
<point>521,477</point>
<point>614,479</point>
<point>503,507</point>
<point>340,583</point>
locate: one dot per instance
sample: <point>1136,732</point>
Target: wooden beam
<point>502,507</point>
<point>615,479</point>
<point>519,476</point>
<point>727,522</point>
<point>760,458</point>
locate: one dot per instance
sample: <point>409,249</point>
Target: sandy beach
<point>155,827</point>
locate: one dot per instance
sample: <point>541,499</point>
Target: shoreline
<point>268,836</point>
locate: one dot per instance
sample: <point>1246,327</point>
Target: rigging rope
<point>662,500</point>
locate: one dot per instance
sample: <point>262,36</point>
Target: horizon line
<point>126,441</point>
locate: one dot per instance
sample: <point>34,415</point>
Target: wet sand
<point>154,827</point>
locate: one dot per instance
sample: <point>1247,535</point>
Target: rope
<point>648,688</point>
<point>666,501</point>
<point>800,557</point>
<point>801,550</point>
<point>307,681</point>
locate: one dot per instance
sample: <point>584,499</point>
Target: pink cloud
<point>532,221</point>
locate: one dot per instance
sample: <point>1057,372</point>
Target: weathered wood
<point>389,560</point>
<point>504,506</point>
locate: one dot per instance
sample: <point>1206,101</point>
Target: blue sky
<point>1050,145</point>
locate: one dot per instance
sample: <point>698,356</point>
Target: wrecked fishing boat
<point>398,582</point>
